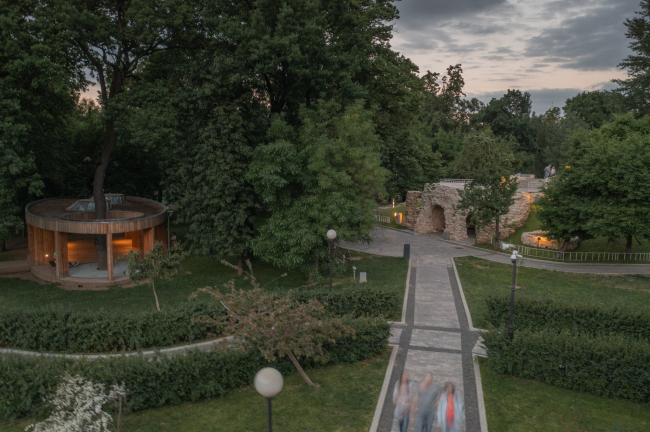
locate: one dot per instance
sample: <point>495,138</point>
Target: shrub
<point>49,329</point>
<point>362,302</point>
<point>591,319</point>
<point>609,366</point>
<point>165,380</point>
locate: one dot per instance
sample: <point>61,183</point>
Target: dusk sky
<point>550,48</point>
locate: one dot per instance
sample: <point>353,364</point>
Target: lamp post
<point>331,235</point>
<point>511,327</point>
<point>268,382</point>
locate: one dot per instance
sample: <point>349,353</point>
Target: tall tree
<point>490,163</point>
<point>595,108</point>
<point>636,87</point>
<point>604,192</point>
<point>112,39</point>
<point>326,176</point>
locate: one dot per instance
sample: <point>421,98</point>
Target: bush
<point>609,366</point>
<point>165,380</point>
<point>49,329</point>
<point>591,319</point>
<point>362,302</point>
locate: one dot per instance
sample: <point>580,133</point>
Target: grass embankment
<point>482,278</point>
<point>519,405</point>
<point>344,402</point>
<point>600,244</point>
<point>384,273</point>
<point>390,212</point>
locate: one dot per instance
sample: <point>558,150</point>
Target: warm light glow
<point>567,167</point>
<point>395,214</point>
<point>46,255</point>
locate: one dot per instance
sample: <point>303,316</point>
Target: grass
<point>385,273</point>
<point>518,405</point>
<point>482,278</point>
<point>344,402</point>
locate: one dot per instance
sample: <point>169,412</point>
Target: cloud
<point>416,14</point>
<point>593,40</point>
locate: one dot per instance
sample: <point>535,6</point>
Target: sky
<point>553,49</point>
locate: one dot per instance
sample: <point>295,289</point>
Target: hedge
<point>166,380</point>
<point>358,302</point>
<point>591,319</point>
<point>69,331</point>
<point>50,329</point>
<point>609,366</point>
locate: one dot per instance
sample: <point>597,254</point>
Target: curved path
<point>435,335</point>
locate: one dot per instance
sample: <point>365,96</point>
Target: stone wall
<point>412,211</point>
<point>510,222</point>
<point>437,213</point>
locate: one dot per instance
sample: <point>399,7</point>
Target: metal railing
<point>455,180</point>
<point>583,256</point>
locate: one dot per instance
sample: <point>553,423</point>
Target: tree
<point>636,87</point>
<point>326,176</point>
<point>490,163</point>
<point>595,108</point>
<point>160,263</point>
<point>510,116</point>
<point>605,189</point>
<point>113,39</point>
<point>275,325</point>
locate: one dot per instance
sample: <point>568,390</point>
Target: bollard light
<point>331,235</point>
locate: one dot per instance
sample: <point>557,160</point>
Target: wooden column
<point>30,242</point>
<point>147,240</point>
<point>109,255</point>
<point>61,246</point>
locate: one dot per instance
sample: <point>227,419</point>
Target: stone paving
<point>436,336</point>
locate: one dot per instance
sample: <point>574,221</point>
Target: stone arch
<point>438,222</point>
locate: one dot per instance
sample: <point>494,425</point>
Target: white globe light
<point>331,234</point>
<point>268,382</point>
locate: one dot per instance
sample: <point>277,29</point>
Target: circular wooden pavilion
<point>61,234</point>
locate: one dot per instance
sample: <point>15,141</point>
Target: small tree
<point>78,407</point>
<point>490,163</point>
<point>160,263</point>
<point>278,326</point>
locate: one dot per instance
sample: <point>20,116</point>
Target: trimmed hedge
<point>166,380</point>
<point>56,330</point>
<point>68,331</point>
<point>609,366</point>
<point>356,302</point>
<point>594,320</point>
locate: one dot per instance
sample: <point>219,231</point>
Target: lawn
<point>385,273</point>
<point>518,405</point>
<point>344,401</point>
<point>482,278</point>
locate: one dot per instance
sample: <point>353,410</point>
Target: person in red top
<point>450,409</point>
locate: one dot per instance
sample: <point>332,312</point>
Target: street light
<point>268,382</point>
<point>331,235</point>
<point>511,327</point>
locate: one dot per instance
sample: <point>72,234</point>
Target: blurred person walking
<point>450,410</point>
<point>547,171</point>
<point>402,398</point>
<point>425,403</point>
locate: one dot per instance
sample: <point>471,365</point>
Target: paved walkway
<point>436,336</point>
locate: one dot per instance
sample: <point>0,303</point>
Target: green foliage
<point>490,163</point>
<point>357,302</point>
<point>591,319</point>
<point>636,87</point>
<point>595,108</point>
<point>609,366</point>
<point>24,382</point>
<point>70,331</point>
<point>604,192</point>
<point>327,176</point>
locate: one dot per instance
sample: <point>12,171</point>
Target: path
<point>436,336</point>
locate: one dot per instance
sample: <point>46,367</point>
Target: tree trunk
<point>153,285</point>
<point>497,234</point>
<point>3,245</point>
<point>299,368</point>
<point>628,248</point>
<point>240,265</point>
